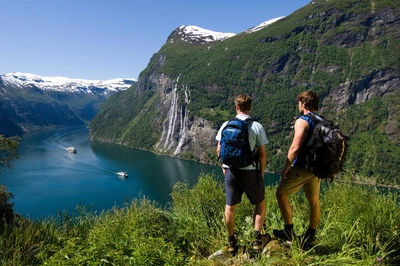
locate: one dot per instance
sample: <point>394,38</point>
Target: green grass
<point>359,226</point>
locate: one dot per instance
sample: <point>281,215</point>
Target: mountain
<point>30,102</point>
<point>63,84</point>
<point>346,50</point>
<point>194,34</point>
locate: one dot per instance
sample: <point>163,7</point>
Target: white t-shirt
<point>257,136</point>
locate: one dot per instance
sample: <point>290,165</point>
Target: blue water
<point>47,178</point>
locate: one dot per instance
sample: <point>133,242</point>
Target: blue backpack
<point>235,147</point>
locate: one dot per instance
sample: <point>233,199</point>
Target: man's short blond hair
<point>243,101</point>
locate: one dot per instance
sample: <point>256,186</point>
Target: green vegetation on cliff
<point>348,51</point>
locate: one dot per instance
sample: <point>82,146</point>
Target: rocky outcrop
<point>377,83</point>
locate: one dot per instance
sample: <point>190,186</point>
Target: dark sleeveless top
<point>300,160</point>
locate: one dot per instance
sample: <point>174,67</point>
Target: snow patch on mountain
<point>263,25</point>
<point>196,34</point>
<point>23,80</point>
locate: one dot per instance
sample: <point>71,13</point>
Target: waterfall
<point>183,124</point>
<point>172,115</point>
<point>167,130</point>
<point>175,127</point>
<point>182,130</point>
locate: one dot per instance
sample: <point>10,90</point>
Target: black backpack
<point>324,152</point>
<point>235,147</point>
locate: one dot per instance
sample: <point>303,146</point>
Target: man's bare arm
<point>300,133</point>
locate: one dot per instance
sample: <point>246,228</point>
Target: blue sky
<point>105,39</point>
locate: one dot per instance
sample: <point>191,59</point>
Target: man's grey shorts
<point>238,182</point>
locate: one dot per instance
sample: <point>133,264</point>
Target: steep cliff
<point>346,50</point>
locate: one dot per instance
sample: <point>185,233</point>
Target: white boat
<point>71,149</point>
<point>122,174</point>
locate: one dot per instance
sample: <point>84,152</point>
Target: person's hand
<point>283,173</point>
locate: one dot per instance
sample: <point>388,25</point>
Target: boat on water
<point>71,149</point>
<point>122,174</point>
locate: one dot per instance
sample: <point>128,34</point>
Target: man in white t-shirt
<point>248,180</point>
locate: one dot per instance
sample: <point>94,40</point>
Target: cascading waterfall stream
<point>182,130</point>
<point>172,116</point>
<point>183,125</point>
<point>177,117</point>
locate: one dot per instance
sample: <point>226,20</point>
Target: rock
<point>274,246</point>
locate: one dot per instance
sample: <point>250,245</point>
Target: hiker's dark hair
<point>243,101</point>
<point>310,100</point>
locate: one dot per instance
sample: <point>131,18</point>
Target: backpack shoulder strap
<point>315,118</point>
<point>249,120</point>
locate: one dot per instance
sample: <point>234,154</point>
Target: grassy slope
<point>359,225</point>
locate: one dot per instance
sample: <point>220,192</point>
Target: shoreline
<point>369,184</point>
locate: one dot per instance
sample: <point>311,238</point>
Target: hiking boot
<point>308,242</point>
<point>233,247</point>
<point>259,244</point>
<point>284,236</point>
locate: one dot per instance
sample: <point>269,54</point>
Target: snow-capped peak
<point>65,84</point>
<point>196,34</point>
<point>263,25</point>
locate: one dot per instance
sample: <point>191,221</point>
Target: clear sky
<point>105,39</point>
